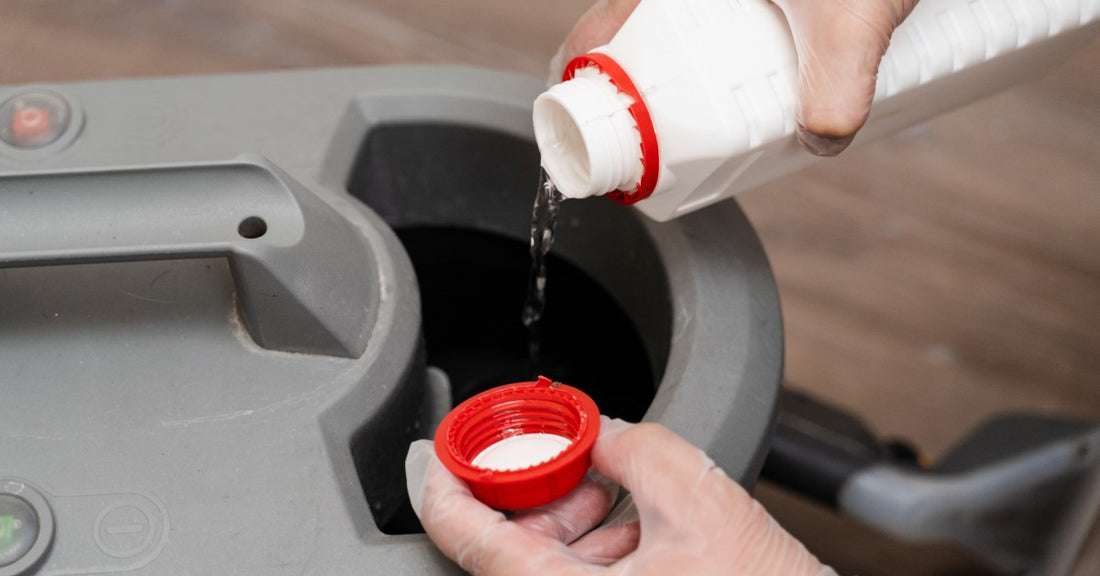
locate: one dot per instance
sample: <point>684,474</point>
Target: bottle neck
<point>589,141</point>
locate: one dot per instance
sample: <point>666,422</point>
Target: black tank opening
<point>472,290</point>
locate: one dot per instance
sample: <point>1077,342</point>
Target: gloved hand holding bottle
<point>839,44</point>
<point>673,105</point>
<point>687,517</point>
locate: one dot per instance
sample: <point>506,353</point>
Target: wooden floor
<point>928,280</point>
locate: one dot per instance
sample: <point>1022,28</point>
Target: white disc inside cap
<point>522,451</point>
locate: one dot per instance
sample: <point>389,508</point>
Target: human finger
<point>574,514</point>
<point>616,537</point>
<point>840,44</point>
<point>450,515</point>
<point>594,29</point>
<point>693,516</point>
<point>671,481</point>
<point>481,540</point>
<point>608,544</point>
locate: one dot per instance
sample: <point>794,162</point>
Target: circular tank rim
<point>721,382</point>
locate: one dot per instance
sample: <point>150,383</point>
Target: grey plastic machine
<point>228,304</point>
<point>219,299</point>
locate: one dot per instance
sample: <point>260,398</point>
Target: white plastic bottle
<point>694,100</point>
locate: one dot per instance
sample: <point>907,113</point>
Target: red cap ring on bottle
<point>506,413</point>
<point>651,161</point>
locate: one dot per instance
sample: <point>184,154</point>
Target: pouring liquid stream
<point>544,219</point>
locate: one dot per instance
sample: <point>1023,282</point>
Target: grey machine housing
<point>212,348</point>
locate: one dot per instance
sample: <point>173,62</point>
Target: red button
<point>31,123</point>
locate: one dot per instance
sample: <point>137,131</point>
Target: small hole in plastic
<point>252,227</point>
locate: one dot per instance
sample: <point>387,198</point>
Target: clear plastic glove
<point>839,44</point>
<point>688,517</point>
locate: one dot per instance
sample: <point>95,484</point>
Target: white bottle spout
<point>589,141</point>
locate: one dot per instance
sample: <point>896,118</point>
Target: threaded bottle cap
<point>520,445</point>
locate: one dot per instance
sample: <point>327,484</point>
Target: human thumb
<point>419,457</point>
<point>840,46</point>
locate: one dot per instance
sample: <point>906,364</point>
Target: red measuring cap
<point>520,445</point>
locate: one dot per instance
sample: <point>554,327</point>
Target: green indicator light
<point>7,529</point>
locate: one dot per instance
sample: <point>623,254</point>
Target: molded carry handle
<point>304,275</point>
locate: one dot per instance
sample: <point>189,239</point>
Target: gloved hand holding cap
<point>520,445</point>
<point>688,517</point>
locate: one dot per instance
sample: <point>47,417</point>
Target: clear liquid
<point>544,219</point>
